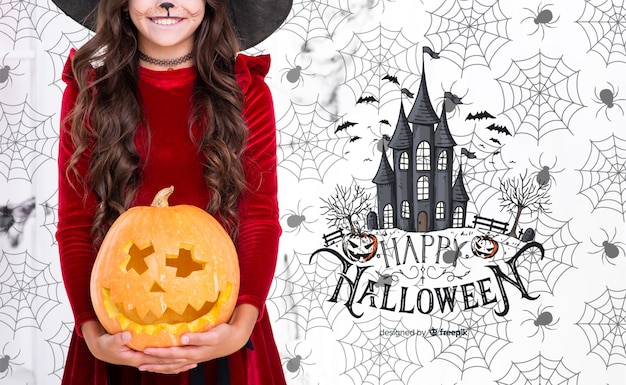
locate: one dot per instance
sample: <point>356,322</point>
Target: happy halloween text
<point>412,299</point>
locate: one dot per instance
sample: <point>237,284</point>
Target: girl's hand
<point>112,348</point>
<point>220,341</point>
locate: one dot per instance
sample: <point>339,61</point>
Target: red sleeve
<point>73,234</point>
<point>258,207</point>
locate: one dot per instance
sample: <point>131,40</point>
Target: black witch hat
<point>253,20</point>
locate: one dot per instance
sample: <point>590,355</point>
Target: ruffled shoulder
<point>68,73</point>
<point>247,68</point>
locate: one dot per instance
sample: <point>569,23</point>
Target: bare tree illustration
<point>346,204</point>
<point>522,193</point>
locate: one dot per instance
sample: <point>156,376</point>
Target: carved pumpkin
<point>163,271</point>
<point>360,247</point>
<point>484,246</point>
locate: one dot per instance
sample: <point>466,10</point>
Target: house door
<point>422,222</point>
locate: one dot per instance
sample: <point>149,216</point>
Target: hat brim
<point>253,20</point>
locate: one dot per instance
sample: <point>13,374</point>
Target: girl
<point>159,97</point>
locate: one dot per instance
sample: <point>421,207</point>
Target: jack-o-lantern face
<point>484,246</point>
<point>162,272</point>
<point>360,247</point>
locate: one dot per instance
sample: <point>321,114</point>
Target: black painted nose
<point>166,5</point>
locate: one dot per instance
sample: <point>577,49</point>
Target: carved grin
<point>169,316</point>
<point>170,321</point>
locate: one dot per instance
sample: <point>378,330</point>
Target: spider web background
<point>468,33</point>
<point>487,335</point>
<point>604,325</point>
<point>29,291</point>
<point>373,357</point>
<point>21,19</point>
<point>370,56</point>
<point>604,175</point>
<point>308,144</point>
<point>540,95</point>
<point>539,370</point>
<point>603,22</point>
<point>28,139</point>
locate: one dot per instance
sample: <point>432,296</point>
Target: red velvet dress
<point>172,159</point>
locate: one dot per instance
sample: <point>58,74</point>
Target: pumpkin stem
<point>160,199</point>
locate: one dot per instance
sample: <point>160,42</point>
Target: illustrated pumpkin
<point>163,271</point>
<point>484,246</point>
<point>360,247</point>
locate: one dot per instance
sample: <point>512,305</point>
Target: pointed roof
<point>385,174</point>
<point>423,111</point>
<point>459,194</point>
<point>443,138</point>
<point>402,137</point>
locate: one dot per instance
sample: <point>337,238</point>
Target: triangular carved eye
<point>156,288</point>
<point>137,257</point>
<point>184,263</point>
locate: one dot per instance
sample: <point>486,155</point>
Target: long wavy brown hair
<point>107,113</point>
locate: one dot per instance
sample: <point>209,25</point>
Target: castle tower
<point>385,191</point>
<point>403,159</point>
<point>423,119</point>
<point>459,201</point>
<point>444,157</point>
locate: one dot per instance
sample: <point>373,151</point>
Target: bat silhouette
<point>392,79</point>
<point>480,115</point>
<point>385,121</point>
<point>345,125</point>
<point>499,129</point>
<point>496,141</point>
<point>366,99</point>
<point>354,139</point>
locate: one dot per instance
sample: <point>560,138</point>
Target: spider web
<point>28,291</point>
<point>371,55</point>
<point>307,144</point>
<point>50,216</point>
<point>27,140</point>
<point>60,50</point>
<point>486,336</point>
<point>540,95</point>
<point>603,23</point>
<point>311,19</point>
<point>59,343</point>
<point>604,325</point>
<point>537,371</point>
<point>604,175</point>
<point>20,19</point>
<point>559,248</point>
<point>374,357</point>
<point>483,174</point>
<point>300,293</point>
<point>468,33</point>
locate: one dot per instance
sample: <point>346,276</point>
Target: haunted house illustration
<point>418,193</point>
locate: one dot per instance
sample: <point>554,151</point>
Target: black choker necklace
<point>165,62</point>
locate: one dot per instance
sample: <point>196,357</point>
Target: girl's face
<point>166,28</point>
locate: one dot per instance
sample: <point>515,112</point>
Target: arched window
<point>442,161</point>
<point>440,210</point>
<point>423,186</point>
<point>457,219</point>
<point>388,217</point>
<point>406,209</point>
<point>404,161</point>
<point>422,157</point>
